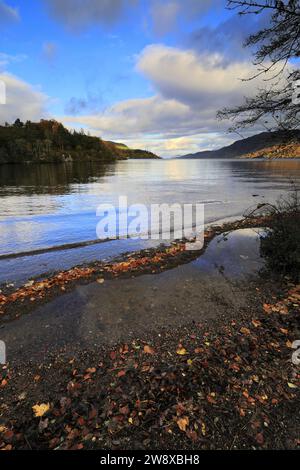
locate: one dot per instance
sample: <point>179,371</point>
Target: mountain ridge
<point>249,145</point>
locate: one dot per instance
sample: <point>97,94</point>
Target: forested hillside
<point>50,141</point>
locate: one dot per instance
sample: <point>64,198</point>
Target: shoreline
<point>156,158</point>
<point>148,261</point>
<point>222,281</point>
<point>86,161</point>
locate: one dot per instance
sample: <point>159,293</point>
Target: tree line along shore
<point>48,141</point>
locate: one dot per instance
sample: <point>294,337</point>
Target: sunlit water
<point>42,206</point>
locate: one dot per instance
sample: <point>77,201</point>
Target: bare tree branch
<point>277,45</point>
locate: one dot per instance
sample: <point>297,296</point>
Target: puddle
<point>234,256</point>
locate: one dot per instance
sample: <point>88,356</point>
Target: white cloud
<point>6,59</point>
<point>194,79</point>
<point>228,37</point>
<point>166,13</point>
<point>164,16</point>
<point>174,147</point>
<point>138,116</point>
<point>189,90</point>
<point>22,100</point>
<point>79,14</point>
<point>7,13</point>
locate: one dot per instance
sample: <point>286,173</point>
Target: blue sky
<point>150,73</point>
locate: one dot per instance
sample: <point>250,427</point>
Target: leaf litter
<point>234,387</point>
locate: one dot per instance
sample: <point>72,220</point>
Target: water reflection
<point>49,178</point>
<point>49,205</point>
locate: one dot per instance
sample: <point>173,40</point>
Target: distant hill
<point>124,152</point>
<point>257,143</point>
<point>288,150</point>
<point>49,141</point>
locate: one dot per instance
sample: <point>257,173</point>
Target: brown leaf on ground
<point>267,308</point>
<point>183,423</point>
<point>245,331</point>
<point>124,410</point>
<point>121,373</point>
<point>113,355</point>
<point>148,350</point>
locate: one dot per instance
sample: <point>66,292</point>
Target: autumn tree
<point>276,57</point>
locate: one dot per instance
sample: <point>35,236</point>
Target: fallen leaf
<point>211,398</point>
<point>148,350</point>
<point>8,447</point>
<point>113,355</point>
<point>124,410</point>
<point>245,331</point>
<point>81,421</point>
<point>183,423</point>
<point>93,413</point>
<point>235,367</point>
<point>40,410</point>
<point>267,308</point>
<point>192,435</point>
<point>284,331</point>
<point>121,373</point>
<point>181,351</point>
<point>198,350</point>
<point>22,396</point>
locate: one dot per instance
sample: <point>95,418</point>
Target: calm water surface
<point>42,206</point>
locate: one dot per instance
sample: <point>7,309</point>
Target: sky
<point>149,73</point>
